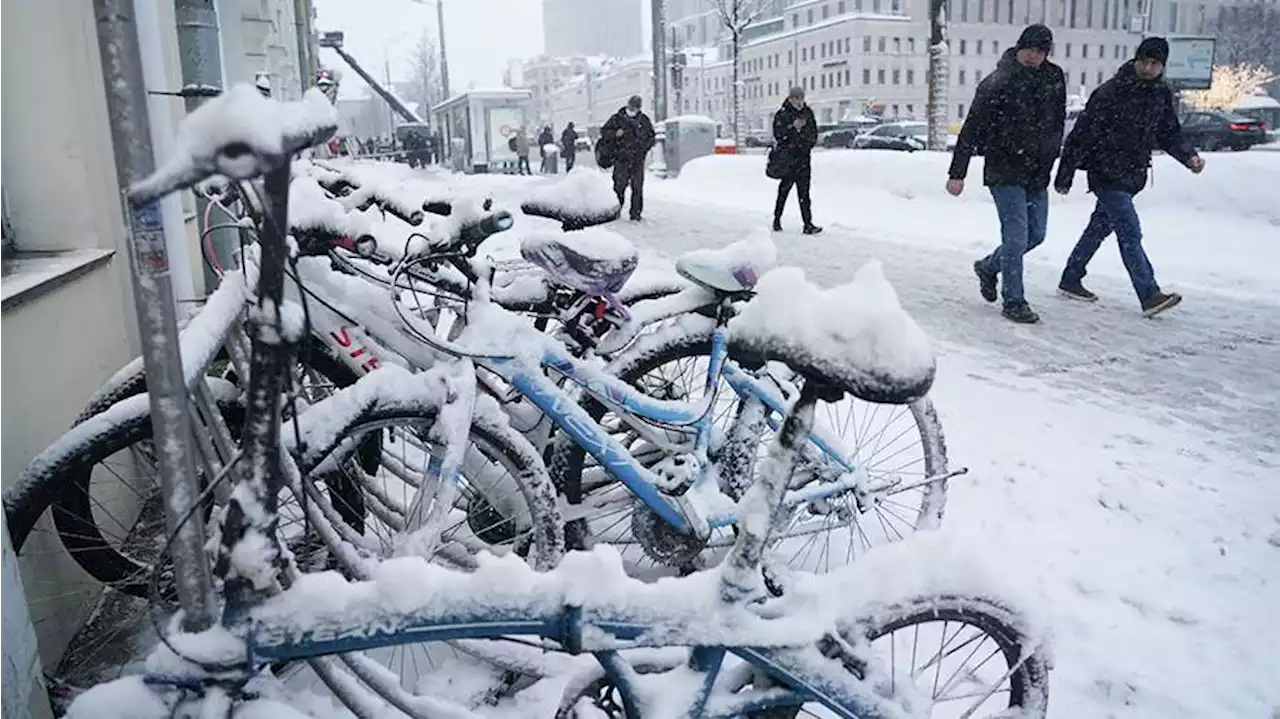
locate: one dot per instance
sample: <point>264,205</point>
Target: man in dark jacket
<point>1016,123</point>
<point>631,133</point>
<point>569,146</point>
<point>1124,119</point>
<point>794,134</point>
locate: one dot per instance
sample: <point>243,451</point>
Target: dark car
<point>837,138</point>
<point>1211,130</point>
<point>757,140</point>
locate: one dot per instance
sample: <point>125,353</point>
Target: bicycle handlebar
<point>240,135</point>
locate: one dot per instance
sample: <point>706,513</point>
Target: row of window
<point>1110,14</point>
<point>840,7</point>
<point>829,49</point>
<point>831,81</point>
<point>1117,51</point>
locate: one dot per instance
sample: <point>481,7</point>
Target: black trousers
<point>522,166</point>
<point>630,173</point>
<point>800,178</point>
<point>568,162</point>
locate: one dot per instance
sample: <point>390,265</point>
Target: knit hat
<point>1154,48</point>
<point>635,102</point>
<point>1036,37</point>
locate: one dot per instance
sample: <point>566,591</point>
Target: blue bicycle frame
<point>566,413</point>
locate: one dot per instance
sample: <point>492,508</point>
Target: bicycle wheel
<point>900,444</point>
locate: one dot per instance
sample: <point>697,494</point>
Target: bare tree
<point>1249,33</point>
<point>737,15</point>
<point>939,75</point>
<point>1231,84</point>
<point>424,74</point>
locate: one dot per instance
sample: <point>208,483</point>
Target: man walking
<point>569,146</point>
<point>1016,123</point>
<point>794,134</point>
<point>522,152</point>
<point>632,135</point>
<point>1124,119</point>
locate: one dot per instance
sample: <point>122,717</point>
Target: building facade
<point>592,27</point>
<point>545,74</point>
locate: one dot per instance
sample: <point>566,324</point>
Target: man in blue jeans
<point>1016,123</point>
<point>1112,140</point>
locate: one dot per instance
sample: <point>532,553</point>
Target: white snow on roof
<point>1257,102</point>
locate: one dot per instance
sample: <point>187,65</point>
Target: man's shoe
<point>1159,302</point>
<point>1076,292</point>
<point>777,224</point>
<point>987,282</point>
<point>1021,313</point>
<point>812,229</point>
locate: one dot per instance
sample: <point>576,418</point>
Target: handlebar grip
<point>438,207</point>
<point>405,213</point>
<point>473,233</point>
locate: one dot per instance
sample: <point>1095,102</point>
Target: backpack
<point>511,143</point>
<point>775,168</point>
<point>606,153</point>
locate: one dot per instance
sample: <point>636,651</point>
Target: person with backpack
<point>629,134</point>
<point>795,132</point>
<point>1112,140</point>
<point>569,146</point>
<point>1016,122</point>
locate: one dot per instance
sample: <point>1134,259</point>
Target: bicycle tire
<point>690,337</point>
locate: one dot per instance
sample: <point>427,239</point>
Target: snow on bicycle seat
<point>732,268</point>
<point>855,337</point>
<point>594,261</point>
<point>582,199</point>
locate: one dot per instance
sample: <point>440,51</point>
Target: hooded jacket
<point>1015,123</point>
<point>791,144</point>
<point>1125,118</point>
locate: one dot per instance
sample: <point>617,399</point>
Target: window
<point>1099,77</point>
<point>1010,12</point>
<point>840,7</point>
<point>791,60</point>
<point>846,45</point>
<point>826,12</point>
<point>995,47</point>
<point>977,47</point>
<point>823,81</point>
<point>895,111</point>
<point>823,49</point>
<point>1083,79</point>
<point>960,110</point>
<point>1116,55</point>
<point>809,16</point>
<point>977,76</point>
<point>1173,17</point>
<point>995,10</point>
<point>911,45</point>
<point>961,82</point>
<point>963,46</point>
<point>897,76</point>
<point>880,77</point>
<point>795,19</point>
<point>1068,49</point>
<point>804,54</point>
<point>1106,15</point>
<point>866,76</point>
<point>964,10</point>
<point>880,43</point>
<point>866,44</point>
<point>857,5</point>
<point>911,77</point>
<point>982,10</point>
<point>1084,51</point>
<point>847,81</point>
<point>875,6</point>
<point>911,110</point>
<point>897,46</point>
<point>1088,15</point>
<point>1073,13</point>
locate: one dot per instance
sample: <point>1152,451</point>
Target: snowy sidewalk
<point>1123,467</point>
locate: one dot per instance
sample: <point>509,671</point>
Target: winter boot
<point>777,224</point>
<point>987,282</point>
<point>1021,313</point>
<point>812,229</point>
<point>1159,302</point>
<point>1076,291</point>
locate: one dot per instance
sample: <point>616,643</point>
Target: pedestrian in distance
<point>1016,124</point>
<point>795,132</point>
<point>631,133</point>
<point>569,146</point>
<point>1124,119</point>
<point>522,152</point>
<point>545,139</point>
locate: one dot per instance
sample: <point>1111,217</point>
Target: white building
<point>543,75</point>
<point>590,98</point>
<point>851,55</point>
<point>67,314</point>
<point>592,27</point>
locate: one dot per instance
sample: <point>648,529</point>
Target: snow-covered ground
<point>1128,468</point>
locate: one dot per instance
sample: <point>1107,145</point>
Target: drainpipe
<point>201,58</point>
<point>301,16</point>
<point>151,47</point>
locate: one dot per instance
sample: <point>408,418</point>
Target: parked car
<point>582,144</point>
<point>757,140</point>
<point>906,136</point>
<point>837,138</point>
<point>1211,130</point>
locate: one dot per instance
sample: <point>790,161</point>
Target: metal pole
<point>157,318</point>
<point>659,62</point>
<point>444,57</point>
